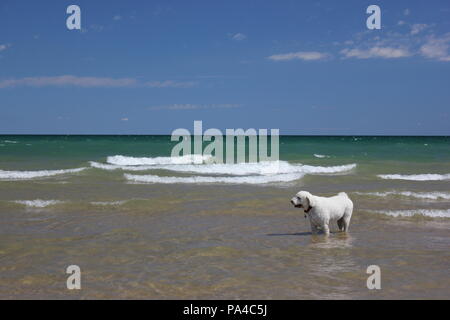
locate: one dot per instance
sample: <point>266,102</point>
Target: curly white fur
<point>323,211</point>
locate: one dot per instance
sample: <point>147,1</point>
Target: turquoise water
<point>142,226</point>
<point>75,149</point>
<point>35,164</point>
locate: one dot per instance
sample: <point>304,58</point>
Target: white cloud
<point>68,80</point>
<point>301,55</point>
<point>170,84</point>
<point>117,17</point>
<point>195,106</point>
<point>418,27</point>
<point>406,12</point>
<point>413,39</point>
<point>124,119</point>
<point>376,52</point>
<point>436,48</point>
<point>393,45</point>
<point>239,37</point>
<point>90,82</point>
<point>4,46</point>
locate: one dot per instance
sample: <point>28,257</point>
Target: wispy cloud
<point>420,40</point>
<point>238,36</point>
<point>117,17</point>
<point>97,27</point>
<point>401,40</point>
<point>89,82</point>
<point>171,84</point>
<point>195,106</point>
<point>376,52</point>
<point>300,55</point>
<point>418,27</point>
<point>4,46</point>
<point>436,48</point>
<point>68,80</point>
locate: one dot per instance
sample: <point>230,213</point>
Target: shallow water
<point>219,240</point>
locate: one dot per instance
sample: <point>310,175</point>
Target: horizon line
<point>164,134</point>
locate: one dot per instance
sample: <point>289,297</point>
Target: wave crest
<point>136,161</point>
<point>26,175</point>
<point>320,156</point>
<point>38,203</point>
<point>416,177</point>
<point>228,180</point>
<point>416,195</point>
<point>416,212</point>
<point>239,169</point>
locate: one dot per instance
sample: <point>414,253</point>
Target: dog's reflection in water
<point>337,240</point>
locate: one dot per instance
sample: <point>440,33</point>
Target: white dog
<point>322,211</point>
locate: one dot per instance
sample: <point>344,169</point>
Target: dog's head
<point>303,199</point>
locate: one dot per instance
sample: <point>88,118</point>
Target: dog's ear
<point>311,200</point>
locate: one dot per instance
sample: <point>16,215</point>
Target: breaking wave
<point>410,194</point>
<point>239,169</point>
<point>416,212</point>
<point>112,167</point>
<point>204,179</point>
<point>26,175</point>
<point>38,203</point>
<point>209,172</point>
<point>320,156</point>
<point>416,177</point>
<point>135,161</point>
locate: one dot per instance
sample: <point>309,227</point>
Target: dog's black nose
<point>292,201</point>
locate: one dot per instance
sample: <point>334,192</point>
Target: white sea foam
<point>239,169</point>
<point>112,167</point>
<point>416,177</point>
<point>320,156</point>
<point>38,203</point>
<point>416,212</point>
<point>214,180</point>
<point>108,203</point>
<point>135,161</point>
<point>332,169</point>
<point>240,173</point>
<point>410,194</point>
<point>26,175</point>
<point>10,141</point>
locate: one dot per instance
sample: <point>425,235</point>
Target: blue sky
<point>149,67</point>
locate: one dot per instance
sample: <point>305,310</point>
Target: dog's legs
<point>314,229</point>
<point>326,229</point>
<point>346,222</point>
<point>340,224</point>
<point>347,216</point>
